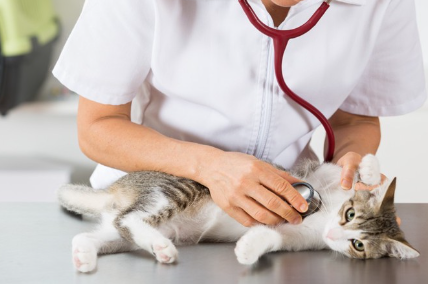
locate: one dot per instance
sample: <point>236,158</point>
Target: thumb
<point>349,163</point>
<point>347,177</point>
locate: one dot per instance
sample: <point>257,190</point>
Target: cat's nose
<point>335,234</point>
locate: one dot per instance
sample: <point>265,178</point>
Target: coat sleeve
<point>107,56</point>
<point>393,82</point>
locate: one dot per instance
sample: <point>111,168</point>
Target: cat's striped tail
<point>83,199</point>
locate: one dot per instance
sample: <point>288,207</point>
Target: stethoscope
<point>280,40</point>
<point>312,197</point>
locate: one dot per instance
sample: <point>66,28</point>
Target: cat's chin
<point>334,237</point>
<point>340,245</point>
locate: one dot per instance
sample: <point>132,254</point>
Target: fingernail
<point>346,184</point>
<point>303,208</point>
<point>297,221</point>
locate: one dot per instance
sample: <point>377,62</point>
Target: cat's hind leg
<point>105,239</point>
<point>256,242</point>
<point>136,227</point>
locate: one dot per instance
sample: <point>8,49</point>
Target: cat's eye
<point>350,214</point>
<point>358,245</point>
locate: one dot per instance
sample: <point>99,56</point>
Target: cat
<point>153,211</point>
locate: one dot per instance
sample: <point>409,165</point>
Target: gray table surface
<point>35,247</point>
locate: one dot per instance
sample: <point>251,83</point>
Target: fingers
<point>362,186</point>
<point>349,163</point>
<point>398,220</point>
<point>347,177</point>
<point>281,186</point>
<point>252,191</point>
<point>276,205</point>
<point>241,216</point>
<point>273,199</point>
<point>259,213</point>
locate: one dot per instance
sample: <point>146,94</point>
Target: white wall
<point>68,12</point>
<point>33,132</point>
<point>404,148</point>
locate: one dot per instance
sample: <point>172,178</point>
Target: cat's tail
<point>83,199</point>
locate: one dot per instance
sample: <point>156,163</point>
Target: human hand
<point>350,163</point>
<point>252,191</point>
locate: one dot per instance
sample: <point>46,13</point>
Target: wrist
<point>205,163</point>
<point>198,161</point>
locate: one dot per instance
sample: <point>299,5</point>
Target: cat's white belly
<point>210,224</point>
<point>221,227</point>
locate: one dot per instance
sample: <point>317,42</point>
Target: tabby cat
<point>153,211</point>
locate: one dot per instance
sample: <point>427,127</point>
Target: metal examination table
<point>35,247</point>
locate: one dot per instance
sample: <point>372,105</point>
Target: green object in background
<point>22,20</point>
<point>28,30</point>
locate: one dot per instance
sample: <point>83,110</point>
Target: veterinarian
<point>187,87</point>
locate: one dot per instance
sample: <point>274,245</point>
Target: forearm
<point>114,141</point>
<point>355,136</point>
<point>361,139</point>
<point>354,133</point>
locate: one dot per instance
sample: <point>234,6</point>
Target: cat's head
<point>366,227</point>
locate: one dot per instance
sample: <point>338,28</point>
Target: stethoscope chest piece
<point>305,189</point>
<point>310,195</point>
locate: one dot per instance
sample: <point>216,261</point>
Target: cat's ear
<point>388,198</point>
<point>401,249</point>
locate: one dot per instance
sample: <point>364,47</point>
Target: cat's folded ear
<point>401,249</point>
<point>388,198</point>
<point>382,197</point>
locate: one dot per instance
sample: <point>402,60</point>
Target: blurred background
<point>38,140</point>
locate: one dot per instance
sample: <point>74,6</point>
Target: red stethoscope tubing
<point>280,40</point>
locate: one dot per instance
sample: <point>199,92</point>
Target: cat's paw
<point>369,170</point>
<point>246,251</point>
<point>84,257</point>
<point>256,242</point>
<point>164,250</point>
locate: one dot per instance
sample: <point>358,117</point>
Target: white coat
<point>197,70</point>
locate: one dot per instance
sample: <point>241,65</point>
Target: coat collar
<point>353,2</point>
<point>306,3</point>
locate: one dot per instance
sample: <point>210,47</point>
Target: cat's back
<point>151,187</point>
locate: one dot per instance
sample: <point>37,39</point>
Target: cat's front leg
<point>369,170</point>
<point>256,242</point>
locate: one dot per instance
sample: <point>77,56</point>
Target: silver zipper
<point>267,104</point>
<point>267,100</point>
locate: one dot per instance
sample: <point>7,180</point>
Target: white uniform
<point>198,70</point>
